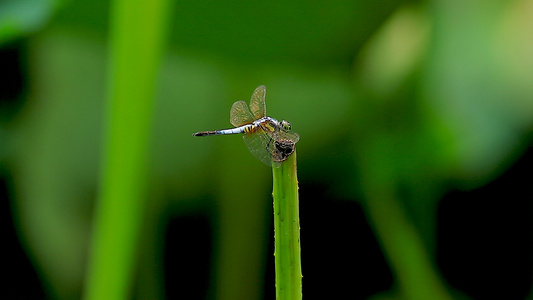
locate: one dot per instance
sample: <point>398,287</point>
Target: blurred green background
<point>415,158</point>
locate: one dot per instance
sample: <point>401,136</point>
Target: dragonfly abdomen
<point>205,133</point>
<point>250,128</point>
<point>241,129</point>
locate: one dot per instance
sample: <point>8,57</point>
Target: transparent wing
<point>261,145</point>
<point>271,147</point>
<point>284,135</point>
<point>257,102</point>
<point>240,114</point>
<point>283,144</point>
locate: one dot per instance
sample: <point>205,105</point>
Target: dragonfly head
<point>286,125</point>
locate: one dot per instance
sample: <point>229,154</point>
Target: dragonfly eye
<point>286,125</point>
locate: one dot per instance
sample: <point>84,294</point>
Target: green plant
<point>137,36</point>
<point>287,231</point>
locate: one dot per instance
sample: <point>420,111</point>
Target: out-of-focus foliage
<point>23,17</point>
<point>395,104</point>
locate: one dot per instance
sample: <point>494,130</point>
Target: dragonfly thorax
<point>269,124</point>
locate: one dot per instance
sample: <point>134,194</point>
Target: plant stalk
<point>137,37</point>
<point>287,231</point>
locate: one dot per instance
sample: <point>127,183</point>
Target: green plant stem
<point>404,249</point>
<point>287,231</point>
<point>137,34</point>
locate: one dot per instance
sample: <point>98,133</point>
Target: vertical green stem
<point>137,33</point>
<point>404,249</point>
<point>287,231</point>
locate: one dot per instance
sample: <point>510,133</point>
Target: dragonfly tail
<point>224,131</point>
<point>206,133</point>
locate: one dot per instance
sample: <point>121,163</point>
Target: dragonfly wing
<point>240,114</point>
<point>285,135</point>
<point>261,145</point>
<point>257,102</point>
<point>283,142</point>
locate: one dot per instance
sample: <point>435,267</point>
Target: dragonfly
<point>269,140</point>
